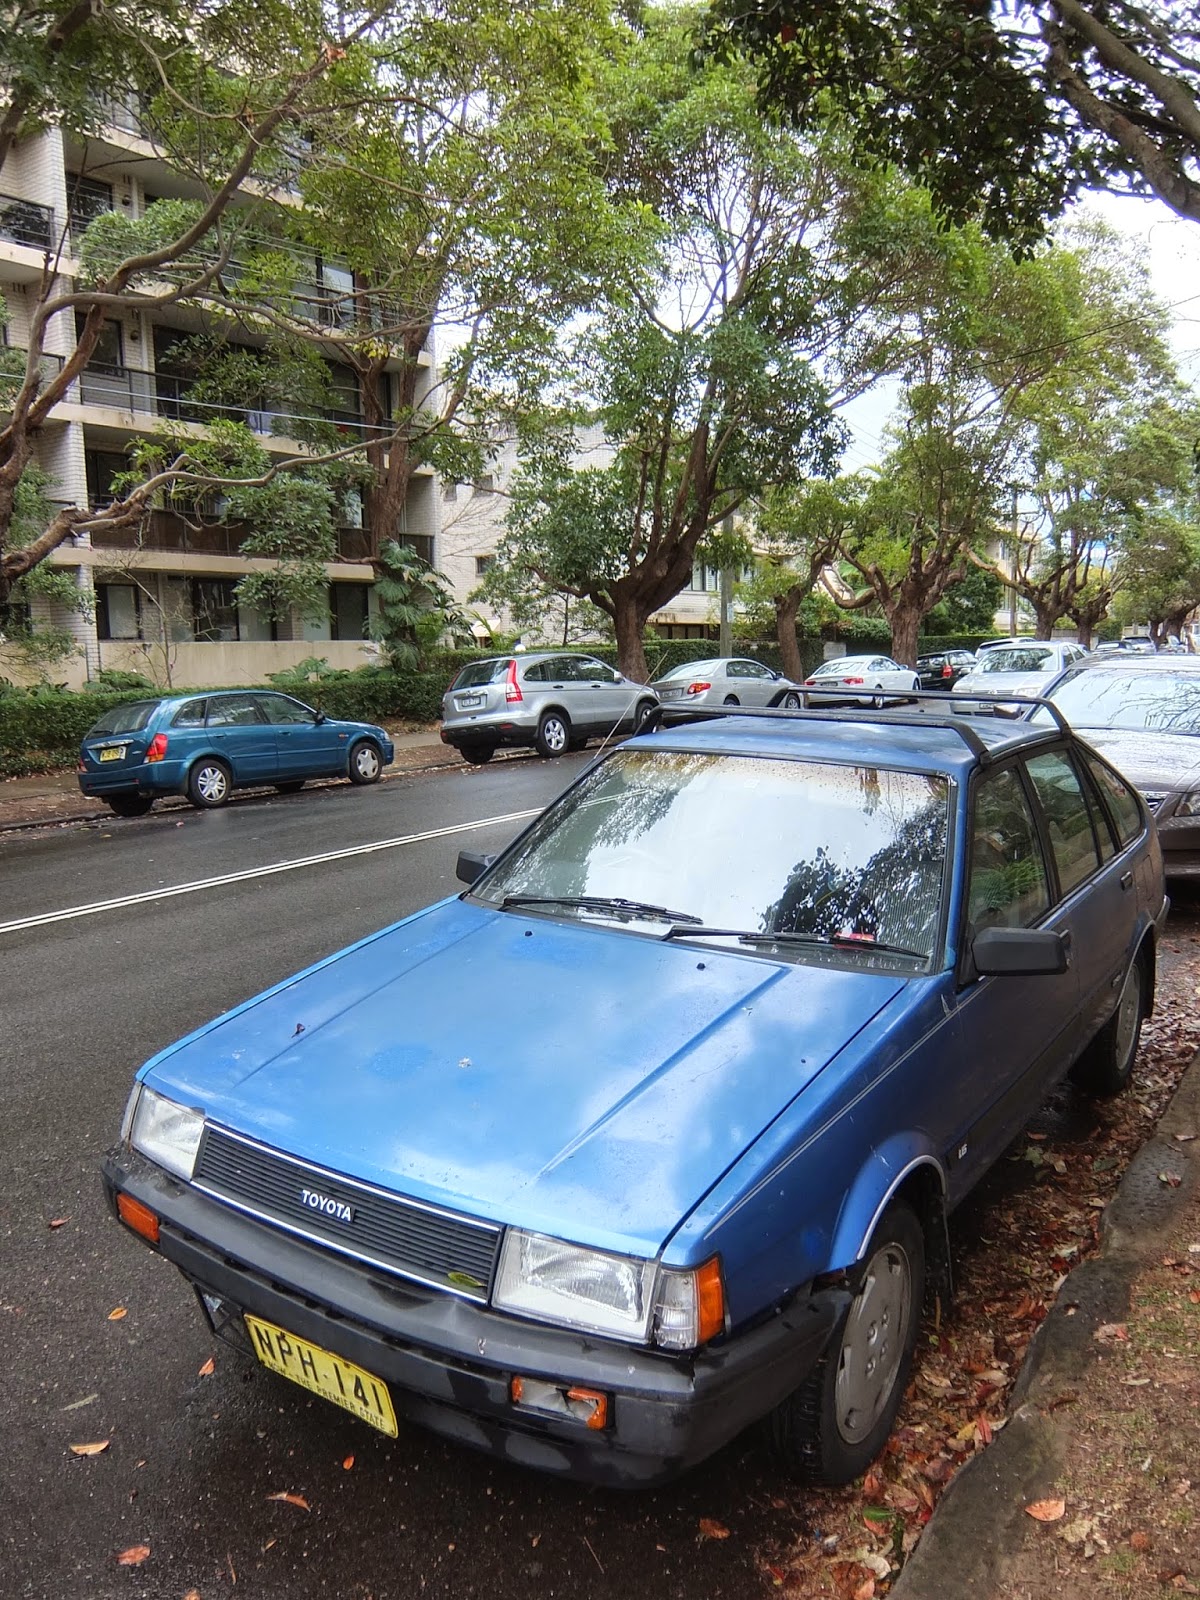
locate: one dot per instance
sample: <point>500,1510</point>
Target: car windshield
<point>1027,659</point>
<point>852,856</point>
<point>689,669</point>
<point>1162,701</point>
<point>477,673</point>
<point>129,718</point>
<point>840,664</point>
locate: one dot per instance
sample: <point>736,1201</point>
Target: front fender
<point>885,1171</point>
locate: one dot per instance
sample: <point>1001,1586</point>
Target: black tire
<point>553,735</point>
<point>364,763</point>
<point>818,1433</point>
<point>292,786</point>
<point>643,713</point>
<point>878,699</point>
<point>209,783</point>
<point>1106,1066</point>
<point>790,701</point>
<point>577,742</point>
<point>731,700</point>
<point>129,805</point>
<point>477,754</point>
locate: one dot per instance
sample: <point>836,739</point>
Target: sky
<point>1172,247</point>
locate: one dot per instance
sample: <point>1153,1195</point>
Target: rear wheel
<point>790,701</point>
<point>477,754</point>
<point>129,805</point>
<point>645,710</point>
<point>878,699</point>
<point>731,700</point>
<point>364,765</point>
<point>553,734</point>
<point>839,1419</point>
<point>1106,1065</point>
<point>209,783</point>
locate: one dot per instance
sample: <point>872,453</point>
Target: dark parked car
<point>652,1133</point>
<point>1143,714</point>
<point>207,745</point>
<point>944,669</point>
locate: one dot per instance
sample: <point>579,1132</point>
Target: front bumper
<point>449,1362</point>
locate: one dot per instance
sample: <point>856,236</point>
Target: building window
<point>449,491</point>
<point>214,611</point>
<point>118,611</point>
<point>483,564</point>
<point>102,466</point>
<point>87,199</point>
<point>348,610</point>
<point>421,543</point>
<point>486,484</point>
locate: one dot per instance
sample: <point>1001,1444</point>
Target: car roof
<point>1114,661</point>
<point>911,741</point>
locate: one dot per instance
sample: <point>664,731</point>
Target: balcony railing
<point>169,530</point>
<point>25,222</point>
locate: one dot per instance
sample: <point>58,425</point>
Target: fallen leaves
<point>207,1370</point>
<point>1047,1510</point>
<point>95,1448</point>
<point>347,1463</point>
<point>290,1499</point>
<point>710,1529</point>
<point>57,1222</point>
<point>117,1312</point>
<point>134,1556</point>
<point>1111,1333</point>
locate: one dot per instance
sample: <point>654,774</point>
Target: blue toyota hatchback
<point>652,1133</point>
<point>205,746</point>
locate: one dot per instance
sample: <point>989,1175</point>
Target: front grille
<point>1153,800</point>
<point>403,1236</point>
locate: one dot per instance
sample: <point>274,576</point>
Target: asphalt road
<point>193,1459</point>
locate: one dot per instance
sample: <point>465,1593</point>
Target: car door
<point>305,748</point>
<point>241,735</point>
<point>558,686</point>
<point>1017,1033</point>
<point>755,683</point>
<point>608,698</point>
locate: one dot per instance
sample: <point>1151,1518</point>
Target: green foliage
<point>968,606</point>
<point>416,608</point>
<point>115,678</point>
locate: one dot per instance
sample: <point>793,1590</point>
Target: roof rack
<point>955,719</point>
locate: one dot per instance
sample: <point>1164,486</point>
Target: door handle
<point>1127,880</point>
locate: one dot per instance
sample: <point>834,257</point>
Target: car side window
<point>587,670</point>
<point>234,711</point>
<point>537,672</point>
<point>189,715</point>
<point>1120,799</point>
<point>279,708</point>
<point>1008,887</point>
<point>1068,818</point>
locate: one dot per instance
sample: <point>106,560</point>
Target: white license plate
<point>114,753</point>
<point>466,701</point>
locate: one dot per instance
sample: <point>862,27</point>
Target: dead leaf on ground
<point>1111,1333</point>
<point>866,1590</point>
<point>347,1463</point>
<point>1171,1179</point>
<point>117,1313</point>
<point>58,1222</point>
<point>710,1529</point>
<point>134,1556</point>
<point>92,1449</point>
<point>207,1370</point>
<point>1140,1540</point>
<point>1047,1510</point>
<point>290,1499</point>
<point>192,1594</point>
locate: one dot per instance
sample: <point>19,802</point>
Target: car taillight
<point>698,688</point>
<point>947,671</point>
<point>157,747</point>
<point>810,683</point>
<point>851,680</point>
<point>512,689</point>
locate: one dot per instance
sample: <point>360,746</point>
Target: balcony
<point>196,534</point>
<point>25,222</point>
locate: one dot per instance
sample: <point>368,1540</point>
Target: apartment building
<point>163,590</point>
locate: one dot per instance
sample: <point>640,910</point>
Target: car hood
<point>1159,762</point>
<point>990,683</point>
<point>584,1080</point>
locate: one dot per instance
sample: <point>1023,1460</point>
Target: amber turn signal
<point>139,1217</point>
<point>710,1301</point>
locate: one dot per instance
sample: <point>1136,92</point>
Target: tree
<point>1162,586</point>
<point>444,155</point>
<point>1004,110</point>
<point>797,535</point>
<point>416,609</point>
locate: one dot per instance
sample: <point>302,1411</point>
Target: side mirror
<point>471,865</point>
<point>318,718</point>
<point>1020,952</point>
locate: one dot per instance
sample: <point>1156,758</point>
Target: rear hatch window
<point>477,673</point>
<point>131,718</point>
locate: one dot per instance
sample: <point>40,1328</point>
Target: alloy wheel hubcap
<point>555,734</point>
<point>873,1343</point>
<point>1128,1011</point>
<point>211,784</point>
<point>367,762</point>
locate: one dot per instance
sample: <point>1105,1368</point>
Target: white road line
<point>97,906</point>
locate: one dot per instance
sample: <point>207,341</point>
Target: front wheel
<point>478,754</point>
<point>645,710</point>
<point>1106,1065</point>
<point>364,765</point>
<point>790,702</point>
<point>553,734</point>
<point>129,805</point>
<point>878,699</point>
<point>832,1428</point>
<point>209,783</point>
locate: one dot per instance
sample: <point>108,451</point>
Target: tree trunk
<point>1083,635</point>
<point>906,626</point>
<point>787,607</point>
<point>631,651</point>
<point>1047,616</point>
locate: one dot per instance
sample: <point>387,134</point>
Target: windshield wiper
<point>603,903</point>
<point>835,941</point>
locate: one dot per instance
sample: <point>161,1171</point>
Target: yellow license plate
<point>348,1386</point>
<point>115,754</point>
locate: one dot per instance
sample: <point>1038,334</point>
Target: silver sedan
<point>863,680</point>
<point>726,681</point>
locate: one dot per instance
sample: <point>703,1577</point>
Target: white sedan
<point>864,680</point>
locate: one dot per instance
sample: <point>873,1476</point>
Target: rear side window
<point>131,718</point>
<point>476,673</point>
<point>1008,876</point>
<point>190,715</point>
<point>234,711</point>
<point>1067,818</point>
<point>1120,799</point>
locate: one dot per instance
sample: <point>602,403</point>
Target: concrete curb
<point>980,1523</point>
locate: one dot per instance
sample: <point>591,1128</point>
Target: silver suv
<point>552,700</point>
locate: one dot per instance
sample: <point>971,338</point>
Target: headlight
<point>165,1131</point>
<point>577,1288</point>
<point>621,1296</point>
<point>1189,805</point>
